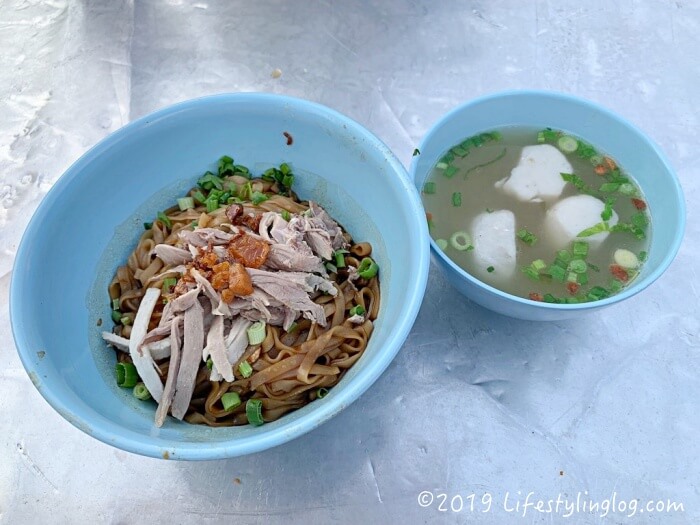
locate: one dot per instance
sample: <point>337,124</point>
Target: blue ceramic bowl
<point>92,218</point>
<point>605,130</point>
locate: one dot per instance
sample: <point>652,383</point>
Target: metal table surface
<point>478,407</point>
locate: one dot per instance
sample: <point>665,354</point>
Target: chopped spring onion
<point>368,268</point>
<point>429,188</point>
<point>321,393</point>
<point>596,160</point>
<point>141,392</point>
<point>538,265</point>
<point>231,400</point>
<point>185,203</point>
<point>564,255</point>
<point>585,151</point>
<point>212,204</point>
<point>548,135</point>
<point>549,298</point>
<point>241,170</point>
<point>245,191</point>
<point>557,272</point>
<point>116,316</point>
<point>162,217</point>
<point>115,304</point>
<point>578,265</point>
<point>615,286</point>
<point>460,151</point>
<point>629,228</point>
<point>256,333</point>
<point>199,197</point>
<point>526,236</point>
<point>580,249</point>
<point>626,258</point>
<point>441,165</point>
<point>168,284</point>
<point>572,277</point>
<point>461,241</point>
<point>456,199</point>
<point>210,363</point>
<point>567,144</point>
<point>627,189</point>
<point>441,243</point>
<point>478,140</point>
<point>450,171</point>
<point>357,310</point>
<point>127,376</point>
<point>258,197</point>
<point>225,165</point>
<point>531,273</point>
<point>287,181</point>
<point>286,215</point>
<point>577,181</point>
<point>582,278</point>
<point>224,197</point>
<point>490,269</point>
<point>340,259</point>
<point>126,320</point>
<point>643,256</point>
<point>597,292</point>
<point>610,187</point>
<point>209,181</point>
<point>147,225</point>
<point>283,176</point>
<point>607,212</point>
<point>447,158</point>
<point>597,228</point>
<point>293,328</point>
<point>640,220</point>
<point>331,267</point>
<point>245,369</point>
<point>253,409</point>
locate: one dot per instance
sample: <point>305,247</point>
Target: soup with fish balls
<point>539,214</point>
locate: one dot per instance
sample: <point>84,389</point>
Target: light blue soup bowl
<point>92,218</point>
<point>609,133</point>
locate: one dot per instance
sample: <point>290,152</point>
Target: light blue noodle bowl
<point>610,133</point>
<point>91,219</point>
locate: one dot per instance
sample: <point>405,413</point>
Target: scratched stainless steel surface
<point>475,403</point>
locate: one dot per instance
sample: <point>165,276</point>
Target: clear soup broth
<point>539,214</point>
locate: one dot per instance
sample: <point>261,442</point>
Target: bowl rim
<point>637,286</point>
<point>113,434</point>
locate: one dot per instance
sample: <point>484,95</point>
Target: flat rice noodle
<point>325,342</point>
<point>273,371</point>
